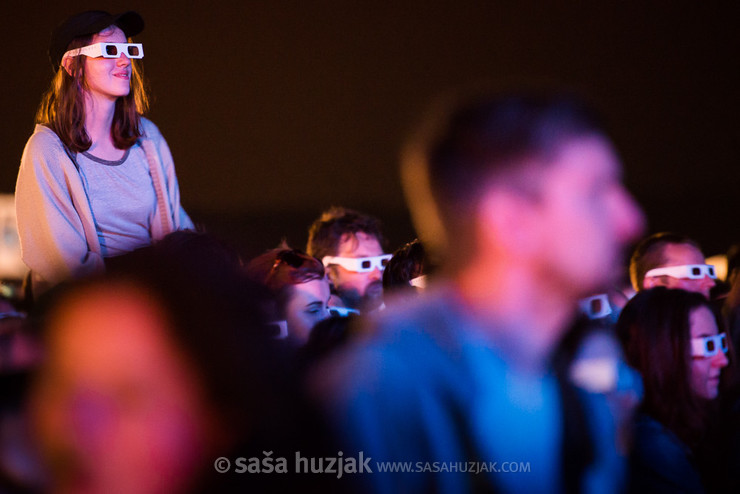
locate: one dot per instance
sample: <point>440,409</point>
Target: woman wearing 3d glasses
<point>300,288</point>
<point>672,338</point>
<point>96,178</point>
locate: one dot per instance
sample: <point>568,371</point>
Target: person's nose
<point>123,60</point>
<point>629,218</point>
<point>376,274</point>
<point>324,313</point>
<point>720,360</point>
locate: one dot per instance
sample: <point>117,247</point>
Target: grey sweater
<point>56,225</point>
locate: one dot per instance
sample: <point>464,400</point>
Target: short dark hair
<point>407,263</point>
<point>327,336</point>
<point>648,254</point>
<point>655,331</point>
<point>470,141</point>
<point>327,231</point>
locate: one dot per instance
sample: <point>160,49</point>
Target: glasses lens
<point>723,342</point>
<point>710,270</point>
<point>384,262</point>
<point>696,271</point>
<point>133,51</point>
<point>273,330</point>
<point>596,306</point>
<point>366,264</point>
<point>111,50</point>
<point>710,346</point>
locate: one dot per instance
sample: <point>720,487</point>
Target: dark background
<point>275,110</point>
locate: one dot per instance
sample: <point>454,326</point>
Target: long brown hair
<point>655,330</point>
<point>62,107</point>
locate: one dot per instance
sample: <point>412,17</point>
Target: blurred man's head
<point>117,386</point>
<point>350,244</point>
<point>153,369</point>
<point>671,260</point>
<point>529,179</point>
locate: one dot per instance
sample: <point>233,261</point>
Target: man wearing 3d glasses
<point>671,260</point>
<point>350,244</point>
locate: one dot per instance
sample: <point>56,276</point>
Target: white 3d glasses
<point>688,271</point>
<point>596,307</point>
<point>108,50</point>
<point>708,346</point>
<point>342,311</point>
<point>279,329</point>
<point>359,264</point>
<point>419,281</point>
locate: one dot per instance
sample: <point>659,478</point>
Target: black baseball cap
<point>88,23</point>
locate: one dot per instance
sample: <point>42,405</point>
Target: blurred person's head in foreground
<point>351,246</point>
<point>300,287</point>
<point>519,198</point>
<point>152,371</point>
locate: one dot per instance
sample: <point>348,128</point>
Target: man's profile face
<point>362,291</point>
<point>678,255</point>
<point>587,216</point>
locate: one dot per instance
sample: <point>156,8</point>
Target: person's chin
<point>373,297</point>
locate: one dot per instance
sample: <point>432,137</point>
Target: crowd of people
<point>500,351</point>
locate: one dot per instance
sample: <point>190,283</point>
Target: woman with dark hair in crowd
<point>300,287</point>
<point>96,179</point>
<point>672,338</point>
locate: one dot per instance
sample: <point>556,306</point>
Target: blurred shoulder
<point>434,317</point>
<point>404,345</point>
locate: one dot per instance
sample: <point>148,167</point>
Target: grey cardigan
<point>55,221</point>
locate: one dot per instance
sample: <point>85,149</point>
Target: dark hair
<point>62,107</point>
<point>733,262</point>
<point>407,263</point>
<point>468,143</point>
<point>335,224</point>
<point>215,315</point>
<point>198,244</point>
<point>279,269</point>
<point>655,331</point>
<point>649,254</point>
<point>326,336</point>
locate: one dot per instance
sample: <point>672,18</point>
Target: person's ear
<point>67,64</point>
<point>651,282</point>
<point>506,219</point>
<point>332,272</point>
